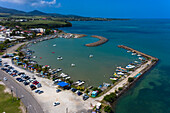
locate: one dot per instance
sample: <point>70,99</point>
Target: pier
<point>102,40</point>
<point>138,52</point>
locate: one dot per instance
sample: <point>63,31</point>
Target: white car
<point>56,103</point>
<point>5,79</point>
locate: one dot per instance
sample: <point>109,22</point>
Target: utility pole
<point>66,110</point>
<point>12,95</point>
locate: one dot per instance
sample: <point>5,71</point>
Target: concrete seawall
<point>102,40</point>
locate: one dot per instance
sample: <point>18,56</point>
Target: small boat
<point>133,53</point>
<point>53,52</point>
<point>60,58</point>
<point>128,51</point>
<point>40,57</point>
<point>54,45</point>
<point>73,65</point>
<point>34,57</point>
<point>59,69</point>
<point>90,56</point>
<point>138,55</point>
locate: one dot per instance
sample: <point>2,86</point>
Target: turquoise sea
<point>151,94</point>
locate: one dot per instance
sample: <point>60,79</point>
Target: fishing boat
<point>60,58</point>
<point>90,56</point>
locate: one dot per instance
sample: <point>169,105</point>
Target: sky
<point>96,8</point>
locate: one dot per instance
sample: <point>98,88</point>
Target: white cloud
<point>35,2</point>
<point>44,3</point>
<point>15,1</point>
<point>58,5</point>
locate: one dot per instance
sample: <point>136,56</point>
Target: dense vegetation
<point>37,24</point>
<point>130,79</point>
<point>108,109</point>
<point>110,98</point>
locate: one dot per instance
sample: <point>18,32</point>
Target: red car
<point>35,82</point>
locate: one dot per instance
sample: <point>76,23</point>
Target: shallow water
<point>151,94</point>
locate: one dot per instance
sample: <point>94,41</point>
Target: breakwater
<point>138,52</point>
<point>102,40</point>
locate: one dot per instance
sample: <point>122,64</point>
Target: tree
<point>6,41</point>
<point>108,109</point>
<point>20,54</point>
<point>120,88</point>
<point>110,98</point>
<point>113,81</point>
<point>47,31</point>
<point>130,79</point>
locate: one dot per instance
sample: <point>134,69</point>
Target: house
<point>94,93</point>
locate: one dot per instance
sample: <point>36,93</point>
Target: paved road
<point>28,100</point>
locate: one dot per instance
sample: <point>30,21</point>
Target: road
<point>28,100</point>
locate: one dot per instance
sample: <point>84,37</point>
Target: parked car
<point>58,90</point>
<point>35,82</point>
<point>4,69</point>
<point>85,97</point>
<point>32,87</point>
<point>40,92</point>
<point>6,65</point>
<point>25,83</point>
<point>5,79</point>
<point>56,103</point>
<point>73,89</point>
<point>36,91</point>
<point>79,93</point>
<point>19,79</point>
<point>39,85</point>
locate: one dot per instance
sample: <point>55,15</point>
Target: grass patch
<point>7,104</point>
<point>42,22</point>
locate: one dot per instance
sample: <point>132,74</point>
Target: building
<point>94,93</point>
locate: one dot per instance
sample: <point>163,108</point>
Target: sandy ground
<point>68,100</point>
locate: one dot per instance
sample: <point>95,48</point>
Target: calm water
<point>151,94</point>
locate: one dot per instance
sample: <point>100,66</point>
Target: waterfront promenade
<point>121,84</point>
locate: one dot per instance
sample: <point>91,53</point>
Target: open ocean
<point>151,94</point>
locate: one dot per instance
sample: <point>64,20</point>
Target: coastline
<point>152,61</point>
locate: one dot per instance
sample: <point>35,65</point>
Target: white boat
<point>128,51</point>
<point>90,56</point>
<point>54,45</point>
<point>59,69</point>
<point>133,53</point>
<point>34,57</point>
<point>81,83</point>
<point>138,55</point>
<point>67,77</point>
<point>120,73</point>
<point>73,65</point>
<point>60,58</point>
